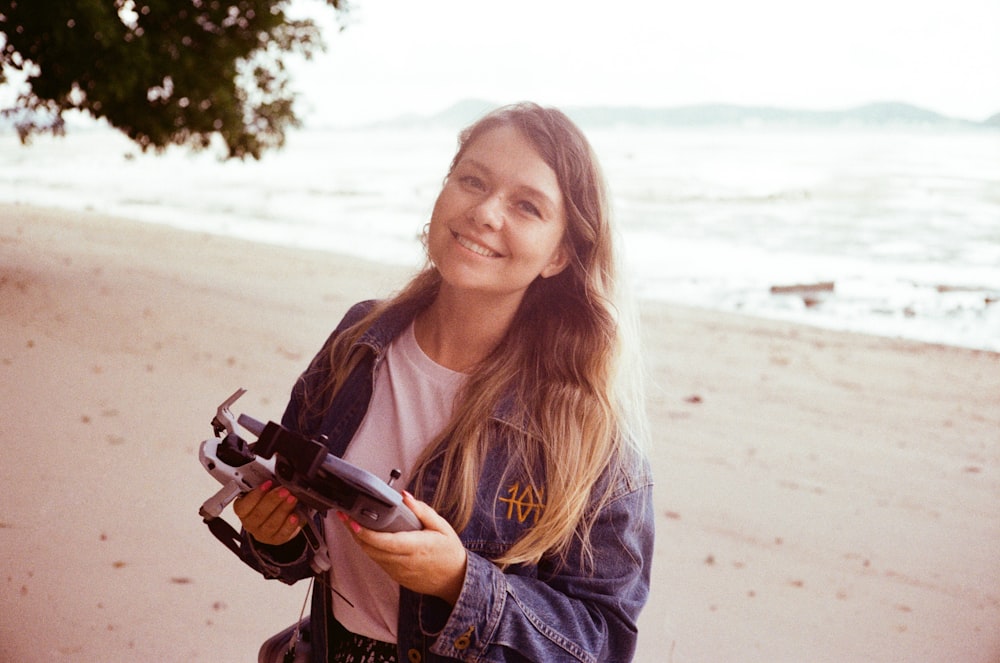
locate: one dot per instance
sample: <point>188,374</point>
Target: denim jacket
<point>546,612</point>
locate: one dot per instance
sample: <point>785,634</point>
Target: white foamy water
<point>906,225</point>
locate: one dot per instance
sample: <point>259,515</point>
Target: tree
<point>162,71</point>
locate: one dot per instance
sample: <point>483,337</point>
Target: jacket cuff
<point>474,619</point>
<point>281,562</point>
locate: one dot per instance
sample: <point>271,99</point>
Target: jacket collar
<point>392,322</point>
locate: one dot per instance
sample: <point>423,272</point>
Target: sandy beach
<point>821,496</point>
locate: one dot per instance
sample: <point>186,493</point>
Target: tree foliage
<point>162,71</point>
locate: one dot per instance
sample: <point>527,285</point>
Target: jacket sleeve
<point>292,561</point>
<point>288,563</point>
<point>564,614</point>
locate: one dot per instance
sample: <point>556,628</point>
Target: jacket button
<point>463,641</point>
<point>414,656</point>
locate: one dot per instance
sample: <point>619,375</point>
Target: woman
<point>493,382</point>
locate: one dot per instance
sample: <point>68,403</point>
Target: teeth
<point>476,248</point>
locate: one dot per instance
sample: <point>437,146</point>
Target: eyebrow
<point>543,197</point>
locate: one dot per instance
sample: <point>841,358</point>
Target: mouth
<point>478,249</point>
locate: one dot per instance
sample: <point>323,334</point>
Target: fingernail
<point>266,486</point>
<point>293,519</point>
<point>342,516</point>
<point>291,499</point>
<point>355,527</point>
<point>283,493</point>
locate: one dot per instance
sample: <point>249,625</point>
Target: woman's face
<point>499,220</point>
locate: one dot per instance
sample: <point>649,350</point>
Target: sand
<point>820,496</point>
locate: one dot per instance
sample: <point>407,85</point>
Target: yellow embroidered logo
<point>527,501</point>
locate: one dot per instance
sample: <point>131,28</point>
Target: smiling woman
<point>488,232</point>
<point>492,381</point>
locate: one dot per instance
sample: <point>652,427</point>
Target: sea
<point>888,231</point>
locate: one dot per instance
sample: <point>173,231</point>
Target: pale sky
<point>423,55</point>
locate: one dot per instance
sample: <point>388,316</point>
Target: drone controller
<point>318,479</point>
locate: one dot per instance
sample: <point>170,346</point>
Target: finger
<point>403,542</point>
<point>390,545</point>
<point>352,525</point>
<point>281,503</point>
<point>290,528</point>
<point>273,522</point>
<point>267,516</point>
<point>284,532</point>
<point>426,514</point>
<point>371,541</point>
<point>247,502</point>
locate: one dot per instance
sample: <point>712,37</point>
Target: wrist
<point>453,588</point>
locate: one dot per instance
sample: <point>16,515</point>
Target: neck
<point>458,332</point>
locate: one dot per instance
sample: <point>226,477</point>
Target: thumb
<point>425,513</point>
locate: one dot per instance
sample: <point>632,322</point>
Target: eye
<point>529,208</point>
<point>472,182</point>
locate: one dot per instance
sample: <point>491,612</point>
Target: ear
<point>560,259</point>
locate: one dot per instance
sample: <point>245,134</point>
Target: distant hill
<point>457,115</point>
<point>883,114</point>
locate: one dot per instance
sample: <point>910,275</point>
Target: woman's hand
<point>268,515</point>
<point>429,561</point>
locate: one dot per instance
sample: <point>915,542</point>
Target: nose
<point>491,212</point>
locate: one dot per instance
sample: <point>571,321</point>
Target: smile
<point>478,249</point>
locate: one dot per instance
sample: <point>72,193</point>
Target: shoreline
<point>821,495</point>
<point>821,318</point>
<point>696,242</point>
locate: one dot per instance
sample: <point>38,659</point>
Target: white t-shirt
<point>412,401</point>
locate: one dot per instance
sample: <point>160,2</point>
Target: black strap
<point>229,537</point>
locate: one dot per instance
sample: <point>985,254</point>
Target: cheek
<point>437,234</point>
<point>445,207</point>
<point>546,244</point>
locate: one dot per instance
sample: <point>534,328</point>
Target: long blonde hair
<point>558,361</point>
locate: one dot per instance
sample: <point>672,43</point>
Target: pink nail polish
<point>266,486</point>
<point>283,493</point>
<point>342,516</point>
<point>355,527</point>
<point>293,519</point>
<point>291,499</point>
